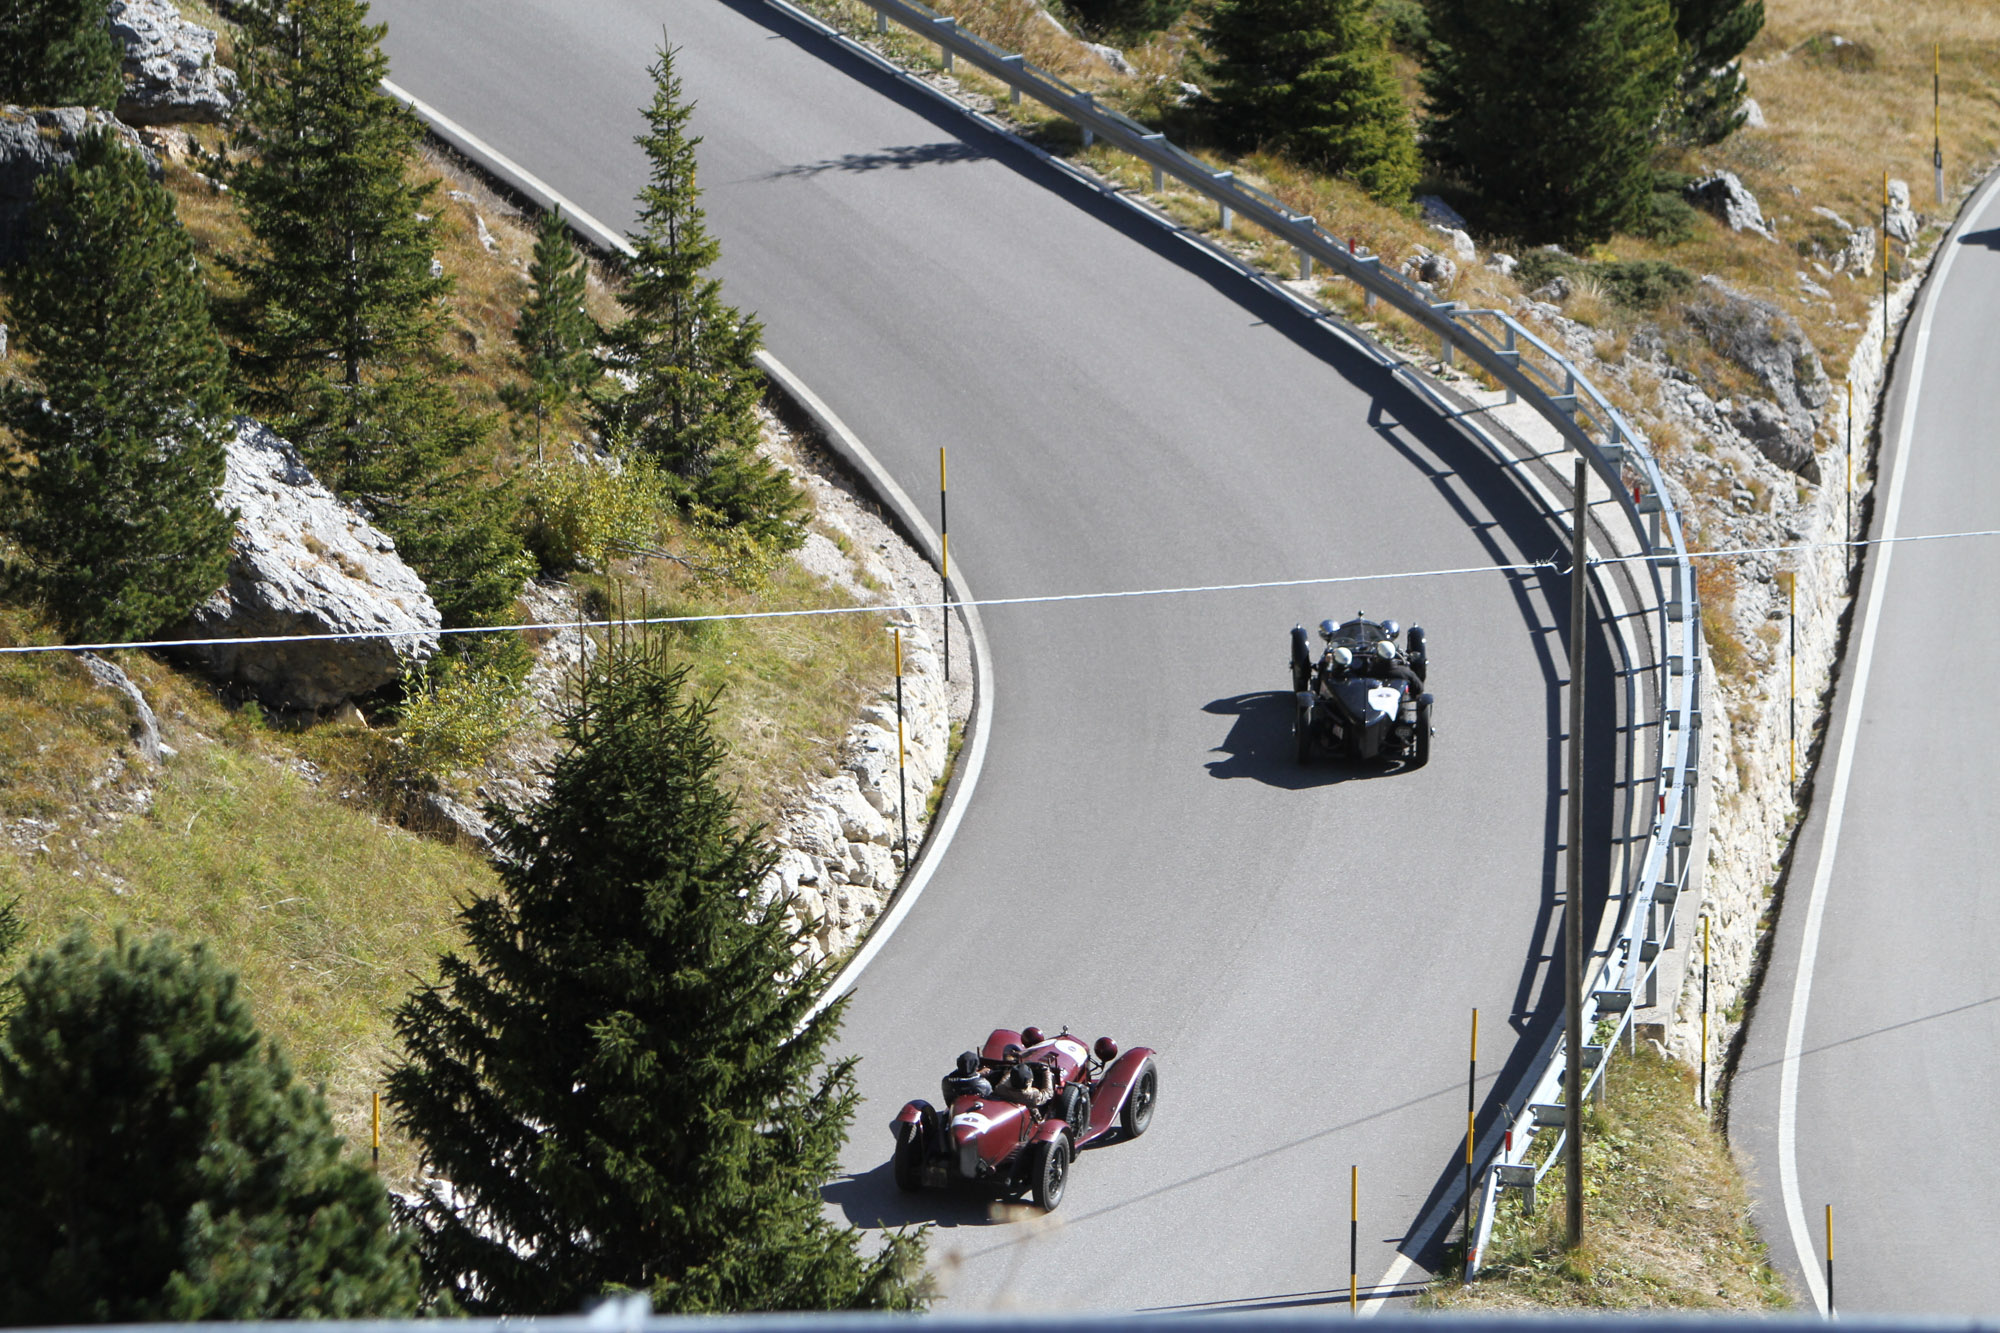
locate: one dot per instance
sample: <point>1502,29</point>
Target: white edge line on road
<point>1795,1028</point>
<point>845,442</point>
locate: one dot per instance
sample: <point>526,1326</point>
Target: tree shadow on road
<point>1990,238</point>
<point>1260,745</point>
<point>902,157</point>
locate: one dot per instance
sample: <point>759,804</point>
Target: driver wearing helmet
<point>1028,1083</point>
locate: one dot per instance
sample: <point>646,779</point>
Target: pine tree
<point>1708,95</point>
<point>556,335</point>
<point>1311,78</point>
<point>622,1078</point>
<point>342,307</point>
<point>58,53</point>
<point>1546,109</point>
<point>162,1164</point>
<point>126,417</point>
<point>691,357</point>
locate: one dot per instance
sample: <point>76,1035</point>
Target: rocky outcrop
<point>34,143</point>
<point>171,76</point>
<point>145,726</point>
<point>1770,344</point>
<point>1726,196</point>
<point>842,847</point>
<point>1901,222</point>
<point>305,562</point>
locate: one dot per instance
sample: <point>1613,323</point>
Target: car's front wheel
<point>1305,736</point>
<point>1048,1172</point>
<point>909,1159</point>
<point>1138,1112</point>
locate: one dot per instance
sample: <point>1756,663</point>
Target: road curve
<point>1882,996</point>
<point>1143,858</point>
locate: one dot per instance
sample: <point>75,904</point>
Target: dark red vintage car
<point>988,1133</point>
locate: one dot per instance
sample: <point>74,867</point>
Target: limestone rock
<point>1902,222</point>
<point>171,76</point>
<point>36,142</point>
<point>1768,343</point>
<point>145,727</point>
<point>1724,195</point>
<point>1432,269</point>
<point>1753,115</point>
<point>305,562</point>
<point>1440,214</point>
<point>1113,57</point>
<point>1461,243</point>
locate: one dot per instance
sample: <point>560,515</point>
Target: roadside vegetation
<point>1667,1222</point>
<point>278,884</point>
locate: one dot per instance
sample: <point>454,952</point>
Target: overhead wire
<point>1551,564</point>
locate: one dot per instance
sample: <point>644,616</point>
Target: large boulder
<point>35,142</point>
<point>170,72</point>
<point>305,562</point>
<point>1903,223</point>
<point>1726,196</point>
<point>1771,345</point>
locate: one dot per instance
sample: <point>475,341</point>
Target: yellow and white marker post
<point>1354,1240</point>
<point>1471,1084</point>
<point>902,778</point>
<point>944,563</point>
<point>1704,1011</point>
<point>375,1132</point>
<point>1937,117</point>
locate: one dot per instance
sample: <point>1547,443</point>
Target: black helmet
<point>1013,1050</point>
<point>1018,1076</point>
<point>968,1062</point>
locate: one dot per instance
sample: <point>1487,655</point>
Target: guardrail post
<point>1513,348</point>
<point>1014,90</point>
<point>1305,263</point>
<point>881,22</point>
<point>1089,135</point>
<point>944,50</point>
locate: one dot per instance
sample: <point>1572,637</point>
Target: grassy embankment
<point>278,845</point>
<point>1845,87</point>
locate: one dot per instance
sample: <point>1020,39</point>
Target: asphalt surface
<point>1895,1033</point>
<point>1142,856</point>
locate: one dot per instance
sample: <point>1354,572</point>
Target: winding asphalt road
<point>1879,1019</point>
<point>1142,856</point>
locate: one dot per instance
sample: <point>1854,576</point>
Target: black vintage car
<point>1364,699</point>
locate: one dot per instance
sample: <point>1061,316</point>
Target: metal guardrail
<point>1533,372</point>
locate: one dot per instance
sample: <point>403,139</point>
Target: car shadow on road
<point>1260,745</point>
<point>871,1199</point>
<point>1990,238</point>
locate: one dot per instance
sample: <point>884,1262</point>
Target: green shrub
<point>1126,18</point>
<point>1643,284</point>
<point>1666,218</point>
<point>456,718</point>
<point>585,513</point>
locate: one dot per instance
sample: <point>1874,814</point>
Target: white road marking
<point>1795,1030</point>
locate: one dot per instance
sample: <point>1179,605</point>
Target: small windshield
<point>1358,637</point>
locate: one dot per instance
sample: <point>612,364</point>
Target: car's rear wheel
<point>1048,1172</point>
<point>1305,738</point>
<point>1302,662</point>
<point>1137,1114</point>
<point>909,1159</point>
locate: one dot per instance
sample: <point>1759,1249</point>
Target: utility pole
<point>1579,601</point>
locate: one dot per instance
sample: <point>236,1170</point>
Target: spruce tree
<point>622,1077</point>
<point>556,335</point>
<point>162,1164</point>
<point>1708,95</point>
<point>1311,78</point>
<point>126,416</point>
<point>1126,18</point>
<point>342,307</point>
<point>58,53</point>
<point>691,357</point>
<point>1546,109</point>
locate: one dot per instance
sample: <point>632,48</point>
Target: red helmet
<point>1033,1036</point>
<point>1107,1049</point>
